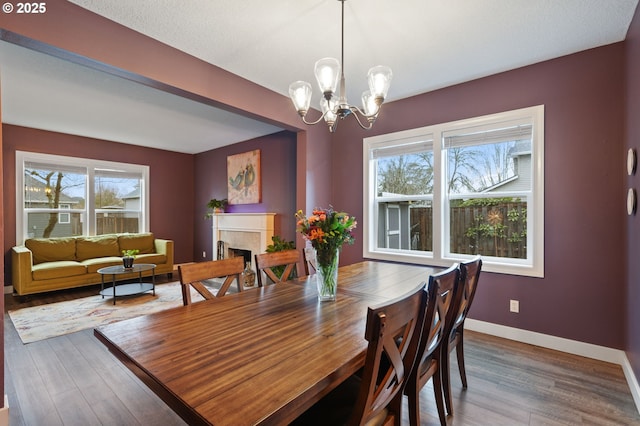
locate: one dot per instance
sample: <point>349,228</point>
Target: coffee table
<point>127,289</point>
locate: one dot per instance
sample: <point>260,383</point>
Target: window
<point>64,218</point>
<point>66,196</point>
<point>443,193</point>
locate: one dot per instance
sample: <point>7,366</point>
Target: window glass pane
<point>39,225</point>
<point>404,176</point>
<point>489,226</point>
<point>504,166</point>
<point>49,190</point>
<point>410,174</point>
<point>117,193</point>
<point>482,159</point>
<point>117,203</point>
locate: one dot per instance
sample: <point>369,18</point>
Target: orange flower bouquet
<point>327,230</point>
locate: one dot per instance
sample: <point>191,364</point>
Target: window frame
<point>532,266</point>
<point>88,214</point>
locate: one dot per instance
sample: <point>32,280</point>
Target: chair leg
<point>437,392</point>
<point>413,396</point>
<point>395,407</point>
<point>186,294</point>
<point>460,356</point>
<point>445,372</point>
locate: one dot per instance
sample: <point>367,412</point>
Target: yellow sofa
<point>47,264</point>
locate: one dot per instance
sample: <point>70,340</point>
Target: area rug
<point>56,319</point>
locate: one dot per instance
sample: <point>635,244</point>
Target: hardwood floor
<point>74,380</point>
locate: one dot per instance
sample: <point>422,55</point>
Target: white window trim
<point>90,165</point>
<point>533,267</point>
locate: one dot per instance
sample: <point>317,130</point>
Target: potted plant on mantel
<point>216,206</point>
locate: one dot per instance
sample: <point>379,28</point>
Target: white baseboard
<point>4,413</point>
<point>8,289</point>
<point>575,347</point>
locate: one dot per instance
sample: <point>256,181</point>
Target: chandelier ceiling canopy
<point>334,104</point>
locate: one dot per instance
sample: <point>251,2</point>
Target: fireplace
<point>236,252</point>
<point>242,231</point>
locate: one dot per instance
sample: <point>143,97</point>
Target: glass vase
<point>248,276</point>
<point>327,273</point>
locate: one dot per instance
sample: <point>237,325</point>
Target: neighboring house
<point>132,200</point>
<point>521,179</point>
<point>35,197</point>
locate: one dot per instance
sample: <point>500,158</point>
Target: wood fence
<point>499,230</point>
<point>114,224</point>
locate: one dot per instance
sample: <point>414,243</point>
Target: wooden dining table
<point>262,356</point>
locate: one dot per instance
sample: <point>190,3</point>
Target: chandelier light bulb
<point>327,71</point>
<point>369,104</point>
<point>300,93</point>
<point>329,108</point>
<point>379,81</point>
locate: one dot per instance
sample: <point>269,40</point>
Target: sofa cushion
<point>143,242</point>
<point>156,258</point>
<point>93,265</point>
<point>100,246</point>
<point>51,249</point>
<point>58,269</point>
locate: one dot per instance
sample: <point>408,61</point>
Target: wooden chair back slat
<point>192,275</point>
<point>265,262</point>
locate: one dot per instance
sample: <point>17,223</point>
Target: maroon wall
<point>278,165</point>
<point>632,139</point>
<point>582,294</point>
<point>171,180</point>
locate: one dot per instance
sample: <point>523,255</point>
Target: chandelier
<point>334,106</point>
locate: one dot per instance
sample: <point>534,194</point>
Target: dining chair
<point>267,264</point>
<point>192,275</point>
<point>374,395</point>
<point>469,275</point>
<point>309,260</point>
<point>428,364</point>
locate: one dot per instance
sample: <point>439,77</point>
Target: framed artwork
<point>244,184</point>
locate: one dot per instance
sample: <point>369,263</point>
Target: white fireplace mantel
<point>249,231</point>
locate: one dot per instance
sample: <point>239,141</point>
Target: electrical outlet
<point>514,306</point>
<point>204,254</point>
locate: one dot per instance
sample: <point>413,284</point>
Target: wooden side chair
<point>192,275</point>
<point>469,275</point>
<point>375,396</point>
<point>309,260</point>
<point>267,264</point>
<point>428,364</point>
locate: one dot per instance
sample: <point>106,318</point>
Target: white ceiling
<point>429,44</point>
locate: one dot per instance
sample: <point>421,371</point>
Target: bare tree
<point>407,175</point>
<point>53,197</point>
<point>55,183</point>
<point>497,166</point>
